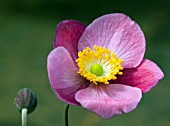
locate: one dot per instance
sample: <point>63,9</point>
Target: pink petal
<point>118,33</point>
<point>109,100</point>
<point>145,76</point>
<point>63,75</point>
<point>67,35</point>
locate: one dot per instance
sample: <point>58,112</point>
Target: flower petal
<point>118,33</point>
<point>63,75</point>
<point>67,35</point>
<point>109,100</point>
<point>145,76</point>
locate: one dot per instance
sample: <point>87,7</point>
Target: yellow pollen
<point>99,65</point>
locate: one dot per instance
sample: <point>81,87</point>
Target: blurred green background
<point>27,29</point>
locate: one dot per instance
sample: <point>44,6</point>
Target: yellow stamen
<point>99,65</point>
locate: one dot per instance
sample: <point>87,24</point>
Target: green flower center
<point>96,69</point>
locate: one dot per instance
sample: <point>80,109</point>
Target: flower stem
<point>66,114</point>
<point>24,117</point>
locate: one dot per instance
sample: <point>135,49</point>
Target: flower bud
<point>25,98</point>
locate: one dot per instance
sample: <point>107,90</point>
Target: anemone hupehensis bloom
<point>101,67</point>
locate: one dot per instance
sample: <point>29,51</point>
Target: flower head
<point>25,99</point>
<point>101,67</point>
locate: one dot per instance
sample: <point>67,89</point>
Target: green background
<point>27,30</point>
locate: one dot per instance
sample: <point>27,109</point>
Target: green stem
<point>66,114</point>
<point>24,117</point>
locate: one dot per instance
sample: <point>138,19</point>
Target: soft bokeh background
<point>27,28</point>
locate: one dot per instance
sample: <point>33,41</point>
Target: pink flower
<point>101,67</point>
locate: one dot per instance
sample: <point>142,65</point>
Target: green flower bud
<point>25,98</point>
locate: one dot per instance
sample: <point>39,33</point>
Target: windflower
<point>101,67</point>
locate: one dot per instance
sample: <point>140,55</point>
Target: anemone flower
<point>101,67</point>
